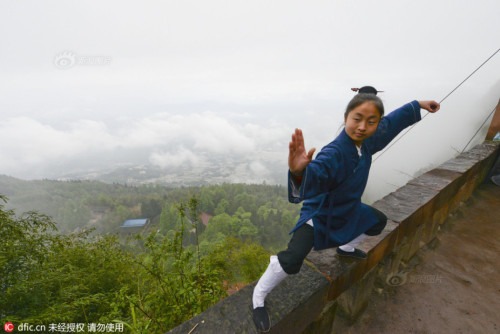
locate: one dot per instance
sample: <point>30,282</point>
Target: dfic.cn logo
<point>9,327</point>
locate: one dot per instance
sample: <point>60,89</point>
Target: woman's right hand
<point>298,159</point>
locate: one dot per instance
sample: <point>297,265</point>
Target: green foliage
<point>221,207</point>
<point>22,246</point>
<point>149,283</point>
<point>173,284</point>
<point>51,277</point>
<point>74,214</point>
<point>241,262</point>
<point>258,213</point>
<point>152,284</point>
<point>150,208</point>
<point>77,205</point>
<point>169,218</point>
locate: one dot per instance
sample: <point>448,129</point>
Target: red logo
<point>9,327</point>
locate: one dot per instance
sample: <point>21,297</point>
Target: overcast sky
<point>81,80</point>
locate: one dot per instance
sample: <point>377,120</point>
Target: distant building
<point>134,225</point>
<point>205,217</point>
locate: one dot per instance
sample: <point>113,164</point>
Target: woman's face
<point>361,122</point>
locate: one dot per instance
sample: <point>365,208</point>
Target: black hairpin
<point>367,90</point>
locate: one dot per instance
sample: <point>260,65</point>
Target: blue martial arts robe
<point>334,181</point>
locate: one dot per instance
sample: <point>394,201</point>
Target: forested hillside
<point>69,263</point>
<point>259,213</point>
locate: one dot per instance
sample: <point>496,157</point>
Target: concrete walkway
<point>451,287</point>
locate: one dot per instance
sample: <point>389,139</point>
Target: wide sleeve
<point>391,125</point>
<point>320,176</point>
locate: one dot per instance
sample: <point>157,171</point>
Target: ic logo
<point>9,327</point>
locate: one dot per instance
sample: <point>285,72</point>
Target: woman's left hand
<point>430,106</point>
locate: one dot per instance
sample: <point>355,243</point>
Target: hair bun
<point>366,90</point>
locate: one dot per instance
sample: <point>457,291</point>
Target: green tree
<point>150,208</point>
<point>176,282</point>
<point>50,277</point>
<point>74,215</point>
<point>240,262</point>
<point>207,200</point>
<point>246,201</point>
<point>248,231</point>
<point>222,207</point>
<point>169,218</point>
<point>288,220</point>
<point>222,223</point>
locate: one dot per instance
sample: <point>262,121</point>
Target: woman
<point>331,186</point>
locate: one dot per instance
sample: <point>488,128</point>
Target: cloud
<point>216,134</point>
<point>25,141</point>
<point>171,63</point>
<point>176,159</point>
<point>205,131</point>
<point>258,168</point>
<point>169,140</point>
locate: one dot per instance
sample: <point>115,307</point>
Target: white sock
<point>351,245</point>
<point>273,275</point>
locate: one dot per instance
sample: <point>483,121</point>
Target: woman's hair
<point>365,94</point>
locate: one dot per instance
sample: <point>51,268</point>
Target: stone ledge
<point>298,296</point>
<point>343,273</point>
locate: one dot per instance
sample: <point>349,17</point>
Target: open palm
<point>298,159</point>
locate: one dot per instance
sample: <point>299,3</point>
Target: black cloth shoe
<point>358,253</point>
<point>261,319</point>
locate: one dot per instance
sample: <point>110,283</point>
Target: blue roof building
<point>134,225</point>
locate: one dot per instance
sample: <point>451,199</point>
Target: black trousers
<point>302,242</point>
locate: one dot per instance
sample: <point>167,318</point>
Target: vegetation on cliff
<point>58,271</point>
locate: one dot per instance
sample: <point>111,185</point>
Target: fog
<point>94,85</point>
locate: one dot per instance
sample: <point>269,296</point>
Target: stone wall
<point>307,302</point>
